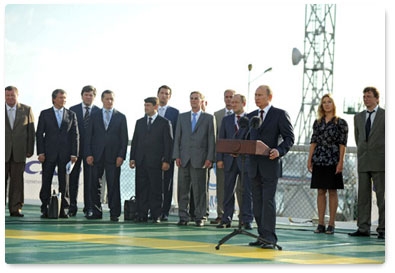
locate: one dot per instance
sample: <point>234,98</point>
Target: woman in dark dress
<point>325,162</point>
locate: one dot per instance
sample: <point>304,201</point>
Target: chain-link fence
<point>294,197</point>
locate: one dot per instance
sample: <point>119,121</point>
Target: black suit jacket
<point>227,131</point>
<point>152,146</point>
<point>77,109</point>
<point>110,143</point>
<point>277,132</point>
<point>54,141</point>
<point>172,115</point>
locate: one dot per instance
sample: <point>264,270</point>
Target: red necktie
<point>236,125</point>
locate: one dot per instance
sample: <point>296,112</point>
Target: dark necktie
<point>261,114</point>
<point>368,124</point>
<point>149,123</point>
<point>86,117</point>
<point>237,122</point>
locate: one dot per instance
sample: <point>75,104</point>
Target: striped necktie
<point>86,117</point>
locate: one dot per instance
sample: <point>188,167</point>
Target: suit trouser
<point>74,184</point>
<point>168,189</point>
<point>264,206</point>
<point>113,174</point>
<point>149,191</point>
<point>365,180</point>
<point>48,169</point>
<point>14,171</point>
<point>195,178</point>
<point>233,181</point>
<point>220,189</point>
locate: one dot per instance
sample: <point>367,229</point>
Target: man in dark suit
<point>151,154</point>
<point>235,168</point>
<point>219,172</point>
<point>19,145</point>
<point>57,144</point>
<point>83,111</point>
<point>171,113</point>
<point>194,151</point>
<point>106,142</point>
<point>276,131</point>
<point>369,131</point>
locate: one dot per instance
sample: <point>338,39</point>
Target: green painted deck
<point>31,240</point>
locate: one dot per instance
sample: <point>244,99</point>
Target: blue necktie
<point>107,118</point>
<point>193,121</point>
<point>59,117</point>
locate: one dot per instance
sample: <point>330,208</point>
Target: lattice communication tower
<point>319,43</point>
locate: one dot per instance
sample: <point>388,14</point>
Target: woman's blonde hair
<point>321,112</point>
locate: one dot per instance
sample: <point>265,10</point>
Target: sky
<point>133,47</point>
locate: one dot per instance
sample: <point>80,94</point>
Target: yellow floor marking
<point>284,256</point>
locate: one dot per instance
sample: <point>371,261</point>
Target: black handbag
<point>130,209</point>
<point>54,205</point>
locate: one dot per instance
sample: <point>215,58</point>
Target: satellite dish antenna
<point>296,56</point>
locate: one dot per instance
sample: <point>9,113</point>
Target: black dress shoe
<point>199,223</point>
<point>90,216</point>
<point>224,225</point>
<point>256,243</point>
<point>267,246</point>
<point>63,215</point>
<point>44,215</point>
<point>72,213</point>
<point>359,234</point>
<point>114,219</point>
<point>216,221</point>
<point>142,219</point>
<point>16,214</point>
<point>381,235</point>
<point>248,226</point>
<point>182,223</point>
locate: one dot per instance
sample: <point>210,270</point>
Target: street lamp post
<point>250,81</point>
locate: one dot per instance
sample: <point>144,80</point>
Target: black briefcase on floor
<point>130,209</point>
<point>54,205</point>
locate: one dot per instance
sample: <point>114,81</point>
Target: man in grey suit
<point>274,129</point>
<point>19,145</point>
<point>369,131</point>
<point>219,172</point>
<point>106,143</point>
<point>194,152</point>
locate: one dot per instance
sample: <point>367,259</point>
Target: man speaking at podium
<point>276,131</point>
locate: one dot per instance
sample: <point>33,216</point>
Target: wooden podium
<point>240,146</point>
<point>243,147</point>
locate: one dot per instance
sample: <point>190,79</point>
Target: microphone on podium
<point>254,124</point>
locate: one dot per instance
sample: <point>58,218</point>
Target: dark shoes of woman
<point>330,230</point>
<point>320,229</point>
